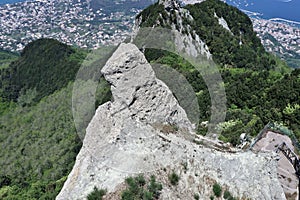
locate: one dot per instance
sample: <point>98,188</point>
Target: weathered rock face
<point>142,131</point>
<point>135,87</point>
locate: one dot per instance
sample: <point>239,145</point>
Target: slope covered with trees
<point>254,97</point>
<point>45,66</point>
<point>237,47</point>
<point>39,145</point>
<point>259,87</point>
<point>38,136</point>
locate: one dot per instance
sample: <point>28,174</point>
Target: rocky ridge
<point>142,131</point>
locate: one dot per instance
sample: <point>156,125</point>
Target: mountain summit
<point>218,31</point>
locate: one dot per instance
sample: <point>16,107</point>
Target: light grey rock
<point>169,4</point>
<point>223,23</point>
<point>142,131</point>
<point>136,90</point>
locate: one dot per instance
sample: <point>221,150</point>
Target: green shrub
<point>217,190</point>
<point>174,178</point>
<point>139,189</point>
<point>147,195</point>
<point>227,195</point>
<point>154,187</point>
<point>96,194</point>
<point>196,196</point>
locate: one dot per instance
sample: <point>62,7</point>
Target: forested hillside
<point>45,66</point>
<point>38,137</point>
<point>237,47</point>
<point>254,97</point>
<point>39,145</point>
<point>259,86</point>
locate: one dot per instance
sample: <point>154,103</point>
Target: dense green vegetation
<point>254,97</point>
<point>40,145</point>
<point>96,194</point>
<point>139,188</point>
<point>238,47</point>
<point>153,13</point>
<point>45,66</point>
<point>6,58</point>
<point>217,189</point>
<point>39,138</point>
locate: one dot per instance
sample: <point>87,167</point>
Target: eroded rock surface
<point>143,131</point>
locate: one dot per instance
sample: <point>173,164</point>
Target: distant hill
<point>45,66</point>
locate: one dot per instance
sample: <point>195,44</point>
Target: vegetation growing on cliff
<point>238,48</point>
<point>140,188</point>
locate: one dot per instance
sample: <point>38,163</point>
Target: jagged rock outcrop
<point>144,131</point>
